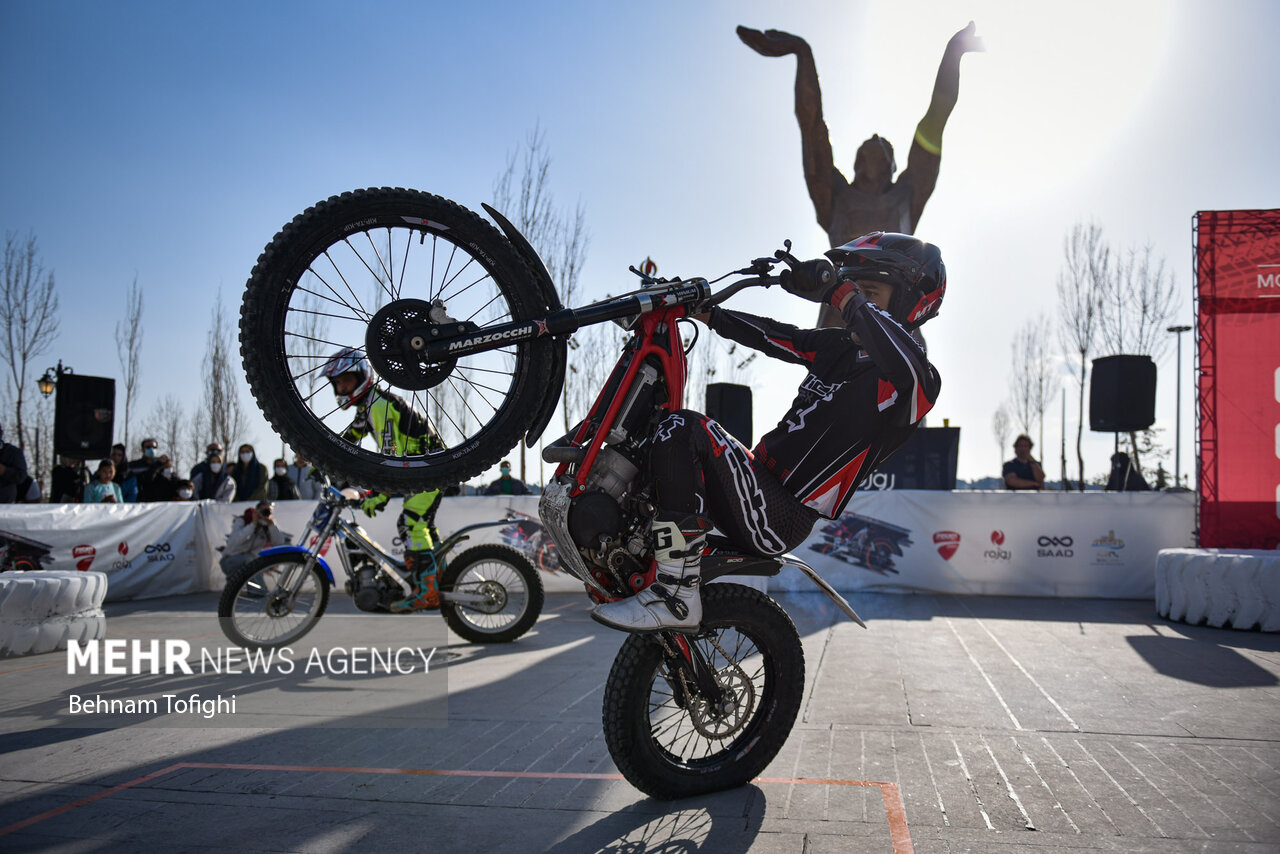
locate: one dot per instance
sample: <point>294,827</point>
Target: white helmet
<point>349,361</point>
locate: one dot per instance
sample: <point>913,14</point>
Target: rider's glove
<point>373,504</point>
<point>812,280</point>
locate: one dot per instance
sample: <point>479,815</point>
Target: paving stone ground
<point>954,724</point>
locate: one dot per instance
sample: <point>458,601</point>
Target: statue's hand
<point>771,42</point>
<point>967,40</point>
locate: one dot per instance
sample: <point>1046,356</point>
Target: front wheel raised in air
<point>503,589</point>
<point>367,270</point>
<point>272,601</point>
<point>664,736</point>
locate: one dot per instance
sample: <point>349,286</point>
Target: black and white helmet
<point>349,361</point>
<point>913,267</point>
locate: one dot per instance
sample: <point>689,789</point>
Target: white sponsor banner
<point>1101,545</point>
<point>1066,544</point>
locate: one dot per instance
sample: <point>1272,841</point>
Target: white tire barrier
<point>1218,587</point>
<point>41,611</point>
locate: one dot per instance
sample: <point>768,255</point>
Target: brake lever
<point>784,254</point>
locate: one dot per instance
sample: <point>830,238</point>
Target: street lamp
<point>47,383</point>
<point>1177,448</point>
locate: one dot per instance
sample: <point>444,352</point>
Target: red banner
<point>1238,325</point>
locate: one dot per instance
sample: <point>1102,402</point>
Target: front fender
<point>280,550</point>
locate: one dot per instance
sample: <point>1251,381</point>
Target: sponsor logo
<point>880,480</point>
<point>159,552</point>
<point>947,543</point>
<point>83,556</point>
<point>1054,546</point>
<point>123,548</point>
<point>1107,549</point>
<point>492,336</point>
<point>996,552</point>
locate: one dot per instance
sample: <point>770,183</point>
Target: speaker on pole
<point>729,405</point>
<point>1122,394</point>
<point>84,416</point>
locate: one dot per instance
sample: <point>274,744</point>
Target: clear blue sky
<point>169,141</point>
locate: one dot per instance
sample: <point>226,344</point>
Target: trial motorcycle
<point>464,321</point>
<point>489,593</point>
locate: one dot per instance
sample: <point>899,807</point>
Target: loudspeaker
<point>84,416</point>
<point>927,460</point>
<point>1122,394</point>
<point>730,406</point>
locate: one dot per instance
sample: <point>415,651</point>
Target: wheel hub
<point>495,597</point>
<point>396,336</point>
<point>279,605</point>
<point>732,712</point>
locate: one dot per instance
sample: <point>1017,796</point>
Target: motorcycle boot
<point>422,570</point>
<point>673,601</point>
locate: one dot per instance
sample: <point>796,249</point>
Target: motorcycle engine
<point>369,591</point>
<point>597,512</point>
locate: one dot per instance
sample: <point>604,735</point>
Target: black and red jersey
<point>857,406</point>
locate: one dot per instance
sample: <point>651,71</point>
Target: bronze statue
<point>873,200</point>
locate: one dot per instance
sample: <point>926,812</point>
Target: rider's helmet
<point>349,361</point>
<point>913,267</point>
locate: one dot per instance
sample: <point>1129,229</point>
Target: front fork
<point>690,674</point>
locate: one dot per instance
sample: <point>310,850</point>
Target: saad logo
<point>1055,546</point>
<point>997,552</point>
<point>947,543</point>
<point>83,556</point>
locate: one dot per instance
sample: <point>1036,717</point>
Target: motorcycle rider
<point>869,386</point>
<point>399,429</point>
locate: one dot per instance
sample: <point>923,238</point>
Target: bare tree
<point>166,423</point>
<point>1137,305</point>
<point>523,194</point>
<point>28,320</point>
<point>1035,380</point>
<point>1000,428</point>
<point>129,351</point>
<point>219,415</point>
<point>1087,266</point>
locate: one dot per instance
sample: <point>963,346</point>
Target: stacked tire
<point>43,611</point>
<point>1237,589</point>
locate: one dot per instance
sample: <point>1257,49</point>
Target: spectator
<point>184,490</point>
<point>281,487</point>
<point>148,472</point>
<point>214,481</point>
<point>506,484</point>
<point>29,491</point>
<point>250,476</point>
<point>166,482</point>
<point>13,470</point>
<point>67,481</point>
<point>1023,471</point>
<point>250,533</point>
<point>1125,477</point>
<point>128,485</point>
<point>306,478</point>
<point>214,447</point>
<point>104,489</point>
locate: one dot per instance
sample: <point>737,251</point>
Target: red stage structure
<point>1237,257</point>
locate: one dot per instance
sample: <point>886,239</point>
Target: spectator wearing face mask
<point>506,484</point>
<point>214,481</point>
<point>149,472</point>
<point>250,476</point>
<point>184,490</point>
<point>214,447</point>
<point>281,487</point>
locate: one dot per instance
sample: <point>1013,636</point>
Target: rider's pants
<point>417,522</point>
<point>699,469</point>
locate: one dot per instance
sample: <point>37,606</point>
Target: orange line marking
<point>899,834</point>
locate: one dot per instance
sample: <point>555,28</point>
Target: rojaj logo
<point>996,552</point>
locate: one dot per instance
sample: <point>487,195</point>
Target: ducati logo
<point>947,543</point>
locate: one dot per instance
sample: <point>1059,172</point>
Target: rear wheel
<point>258,609</point>
<point>666,738</point>
<point>508,594</point>
<point>361,271</point>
